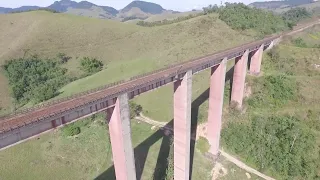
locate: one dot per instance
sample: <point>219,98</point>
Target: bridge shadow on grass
<point>141,153</point>
<point>195,112</point>
<point>142,150</point>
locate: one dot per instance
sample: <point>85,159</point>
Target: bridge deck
<point>40,113</point>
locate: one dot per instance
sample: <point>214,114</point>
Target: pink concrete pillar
<point>182,126</point>
<point>217,81</point>
<point>120,136</point>
<point>256,60</point>
<point>239,78</point>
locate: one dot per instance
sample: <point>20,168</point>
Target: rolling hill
<point>136,9</point>
<point>279,4</point>
<point>125,49</point>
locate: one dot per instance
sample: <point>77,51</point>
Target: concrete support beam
<point>182,126</point>
<point>217,82</point>
<point>120,136</point>
<point>239,78</point>
<point>256,60</point>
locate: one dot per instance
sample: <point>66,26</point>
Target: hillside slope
<point>129,48</point>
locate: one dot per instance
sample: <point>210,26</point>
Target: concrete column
<point>256,60</point>
<point>216,94</point>
<point>182,126</point>
<point>120,136</point>
<point>270,45</point>
<point>239,78</point>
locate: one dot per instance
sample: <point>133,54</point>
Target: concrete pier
<point>256,59</point>
<point>118,118</point>
<point>182,126</point>
<point>239,78</point>
<point>217,83</point>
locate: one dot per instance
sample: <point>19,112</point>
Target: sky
<point>180,5</point>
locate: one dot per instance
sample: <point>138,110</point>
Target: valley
<point>282,101</point>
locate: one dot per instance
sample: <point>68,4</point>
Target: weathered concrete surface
<point>120,136</point>
<point>217,82</point>
<point>239,78</point>
<point>256,59</point>
<point>182,126</point>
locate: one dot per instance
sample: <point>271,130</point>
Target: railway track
<point>38,113</point>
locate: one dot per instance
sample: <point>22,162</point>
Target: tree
<point>135,109</point>
<point>33,78</point>
<point>90,65</point>
<point>295,15</point>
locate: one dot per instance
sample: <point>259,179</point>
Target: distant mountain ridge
<point>136,9</point>
<point>280,4</point>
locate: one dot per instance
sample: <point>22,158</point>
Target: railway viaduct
<point>114,98</point>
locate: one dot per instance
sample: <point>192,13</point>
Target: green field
<point>89,155</point>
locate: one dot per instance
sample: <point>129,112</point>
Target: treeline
<point>132,18</point>
<point>241,17</point>
<point>39,9</point>
<point>293,16</point>
<point>37,79</point>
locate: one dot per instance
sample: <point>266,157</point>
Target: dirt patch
<point>218,171</point>
<point>202,131</point>
<point>247,90</point>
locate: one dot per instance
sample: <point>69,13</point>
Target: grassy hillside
<point>310,7</point>
<point>169,16</point>
<point>126,49</point>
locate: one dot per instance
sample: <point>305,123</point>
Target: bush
<point>281,144</point>
<point>90,65</point>
<point>275,92</point>
<point>299,42</point>
<point>71,130</point>
<point>203,145</point>
<point>63,58</point>
<point>211,9</point>
<point>295,15</point>
<point>33,78</point>
<point>135,109</point>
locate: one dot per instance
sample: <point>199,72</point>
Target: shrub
<point>280,143</point>
<point>295,15</point>
<point>211,9</point>
<point>90,65</point>
<point>71,130</point>
<point>135,109</point>
<point>274,91</point>
<point>203,145</point>
<point>63,58</point>
<point>299,42</point>
<point>32,78</point>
